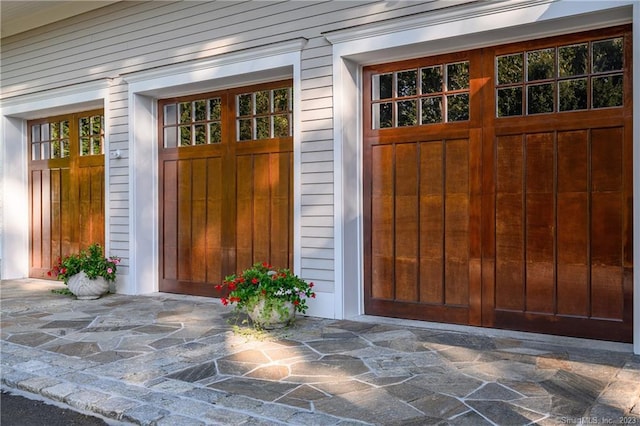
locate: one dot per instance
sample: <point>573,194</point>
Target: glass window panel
<point>64,143</point>
<point>56,149</point>
<point>96,144</point>
<point>382,115</point>
<point>245,130</point>
<point>55,130</point>
<point>572,94</point>
<point>185,135</point>
<point>431,79</point>
<point>170,115</point>
<point>85,146</point>
<point>509,101</point>
<point>214,109</point>
<point>281,100</point>
<point>572,60</point>
<point>85,126</point>
<point>96,125</point>
<point>382,86</point>
<point>458,76</point>
<point>458,107</point>
<point>170,138</point>
<point>540,98</point>
<point>200,110</point>
<point>185,112</point>
<point>64,129</point>
<point>407,113</point>
<point>540,64</point>
<point>244,105</point>
<point>608,55</point>
<point>46,151</point>
<point>607,91</point>
<point>510,68</point>
<point>432,110</point>
<point>262,102</point>
<point>407,83</point>
<point>281,126</point>
<point>263,128</point>
<point>35,133</point>
<point>215,133</point>
<point>35,151</point>
<point>44,132</point>
<point>200,134</point>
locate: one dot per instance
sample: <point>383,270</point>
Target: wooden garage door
<point>226,163</point>
<point>66,180</point>
<point>515,213</point>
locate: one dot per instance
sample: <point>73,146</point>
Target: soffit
<point>19,16</point>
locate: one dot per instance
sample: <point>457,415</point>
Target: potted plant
<point>270,296</point>
<point>87,273</point>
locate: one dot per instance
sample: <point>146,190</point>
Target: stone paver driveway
<point>169,359</point>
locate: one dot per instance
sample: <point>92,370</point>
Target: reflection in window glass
<point>509,101</point>
<point>200,110</point>
<point>185,112</point>
<point>185,135</point>
<point>407,83</point>
<point>458,107</point>
<point>263,129</point>
<point>540,98</point>
<point>607,55</point>
<point>262,102</point>
<point>510,69</point>
<point>607,91</point>
<point>572,60</point>
<point>170,115</point>
<point>572,95</point>
<point>432,110</point>
<point>245,130</point>
<point>382,115</point>
<point>540,64</point>
<point>382,86</point>
<point>458,76</point>
<point>244,105</point>
<point>407,113</point>
<point>432,79</point>
<point>170,138</point>
<point>281,127</point>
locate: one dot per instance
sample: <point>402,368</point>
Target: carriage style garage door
<point>225,185</point>
<point>498,187</point>
<point>66,181</point>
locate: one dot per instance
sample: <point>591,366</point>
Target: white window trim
<point>454,29</point>
<point>281,60</point>
<point>14,155</point>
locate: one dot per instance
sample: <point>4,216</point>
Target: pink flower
<point>109,270</point>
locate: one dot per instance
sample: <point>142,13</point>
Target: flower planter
<point>272,314</point>
<point>85,288</point>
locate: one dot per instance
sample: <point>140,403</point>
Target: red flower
<point>49,273</point>
<point>224,301</point>
<point>254,281</point>
<point>266,265</point>
<point>264,291</point>
<point>296,302</point>
<point>313,295</point>
<point>234,299</point>
<point>232,286</point>
<point>311,284</point>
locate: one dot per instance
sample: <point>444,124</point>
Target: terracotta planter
<point>273,315</point>
<point>87,289</point>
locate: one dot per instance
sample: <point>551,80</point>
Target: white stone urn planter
<point>273,315</point>
<point>85,288</point>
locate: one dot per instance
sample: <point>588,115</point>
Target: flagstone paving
<point>169,359</point>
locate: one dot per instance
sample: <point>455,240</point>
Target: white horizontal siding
<point>125,37</point>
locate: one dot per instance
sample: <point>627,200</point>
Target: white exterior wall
<point>118,53</point>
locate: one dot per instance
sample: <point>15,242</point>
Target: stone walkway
<point>176,360</point>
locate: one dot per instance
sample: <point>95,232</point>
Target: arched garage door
<point>498,186</point>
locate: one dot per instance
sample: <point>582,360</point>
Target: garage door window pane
<point>607,55</point>
<point>572,60</point>
<point>509,101</point>
<point>432,110</point>
<point>607,91</point>
<point>540,98</point>
<point>572,95</point>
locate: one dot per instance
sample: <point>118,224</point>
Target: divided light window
<point>52,138</point>
<point>428,95</point>
<point>571,77</point>
<point>200,120</point>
